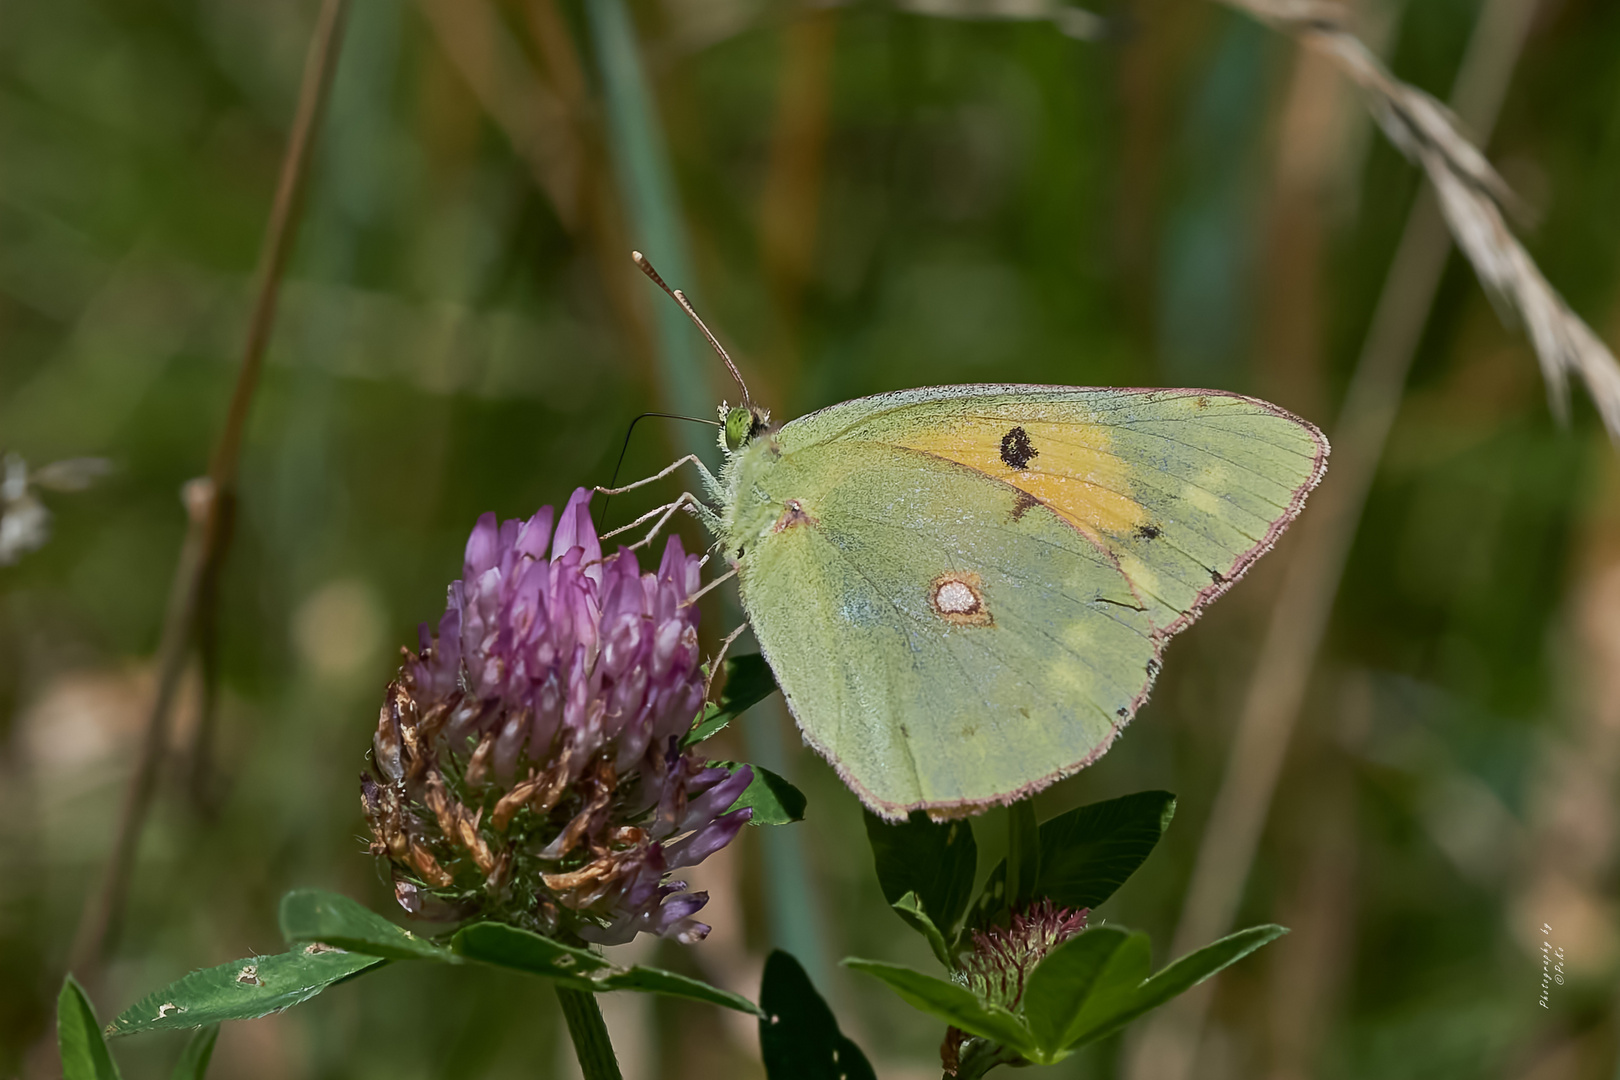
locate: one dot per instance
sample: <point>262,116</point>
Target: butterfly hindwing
<point>932,636</point>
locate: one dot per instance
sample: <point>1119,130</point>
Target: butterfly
<point>965,592</point>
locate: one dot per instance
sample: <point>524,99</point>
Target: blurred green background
<point>873,198</point>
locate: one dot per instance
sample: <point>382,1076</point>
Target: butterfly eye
<point>739,427</point>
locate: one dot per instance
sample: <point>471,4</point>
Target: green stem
<point>590,1035</point>
<point>1023,854</point>
<point>646,181</point>
<point>981,1056</point>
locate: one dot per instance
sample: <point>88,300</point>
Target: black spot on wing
<point>1147,532</point>
<point>1016,450</point>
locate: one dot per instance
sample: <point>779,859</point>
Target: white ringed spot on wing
<point>959,598</point>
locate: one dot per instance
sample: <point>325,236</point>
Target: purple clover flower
<point>528,762</point>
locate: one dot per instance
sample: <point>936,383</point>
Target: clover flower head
<point>528,762</point>
<point>1003,957</point>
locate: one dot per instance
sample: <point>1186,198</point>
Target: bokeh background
<point>859,198</point>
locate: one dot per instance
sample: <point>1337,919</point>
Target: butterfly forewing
<point>970,592</point>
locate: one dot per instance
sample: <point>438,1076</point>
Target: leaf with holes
<point>508,947</point>
<point>798,1034</point>
<point>243,989</point>
<point>311,915</point>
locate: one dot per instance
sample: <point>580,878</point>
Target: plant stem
<point>1023,853</point>
<point>210,503</point>
<point>646,185</point>
<point>591,1043</point>
<point>981,1057</point>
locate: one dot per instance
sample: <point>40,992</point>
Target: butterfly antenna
<point>686,305</point>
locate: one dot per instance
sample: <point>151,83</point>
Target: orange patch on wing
<point>1067,466</point>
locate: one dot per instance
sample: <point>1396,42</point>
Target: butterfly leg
<point>710,484</point>
<point>714,664</point>
<point>700,509</point>
<point>663,513</point>
<point>723,577</point>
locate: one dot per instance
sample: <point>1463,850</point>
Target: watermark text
<point>1552,964</point>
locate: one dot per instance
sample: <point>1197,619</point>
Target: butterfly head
<point>741,425</point>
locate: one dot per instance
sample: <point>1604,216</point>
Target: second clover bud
<point>1003,957</point>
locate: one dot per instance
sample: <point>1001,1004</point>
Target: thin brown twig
<point>1166,1047</point>
<point>210,502</point>
<point>790,199</point>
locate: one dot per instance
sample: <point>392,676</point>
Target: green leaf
<point>1086,853</point>
<point>510,947</point>
<point>651,980</point>
<point>1175,979</point>
<point>580,969</point>
<point>935,860</point>
<point>78,1036</point>
<point>956,1005</point>
<point>748,682</point>
<point>775,801</point>
<point>1112,992</point>
<point>909,908</point>
<point>242,989</point>
<point>992,902</point>
<point>193,1063</point>
<point>315,915</point>
<point>1060,984</point>
<point>312,915</point>
<point>1023,854</point>
<point>798,1034</point>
